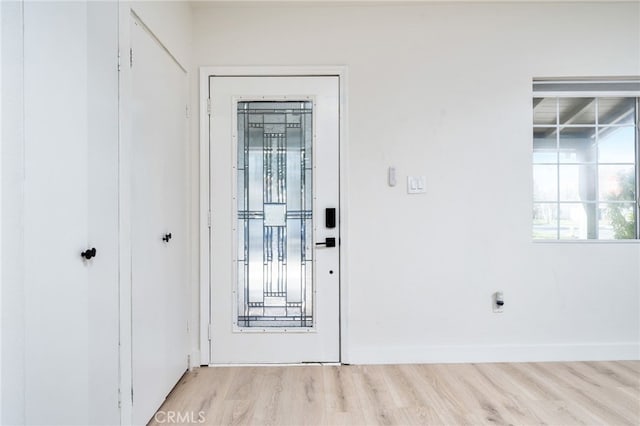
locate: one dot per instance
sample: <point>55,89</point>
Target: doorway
<point>273,220</point>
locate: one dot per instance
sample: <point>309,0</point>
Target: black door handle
<point>88,254</point>
<point>328,242</point>
<point>166,237</point>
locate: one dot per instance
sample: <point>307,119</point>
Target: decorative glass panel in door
<point>274,191</point>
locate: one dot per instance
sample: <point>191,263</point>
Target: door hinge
<point>209,106</point>
<point>209,219</point>
<point>118,61</point>
<point>132,395</point>
<point>209,332</point>
<point>119,398</point>
<point>186,111</point>
<point>131,57</point>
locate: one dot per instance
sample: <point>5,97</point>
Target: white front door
<point>274,193</point>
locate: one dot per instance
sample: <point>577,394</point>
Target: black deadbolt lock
<point>330,217</point>
<point>166,237</point>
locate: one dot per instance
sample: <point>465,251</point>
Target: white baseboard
<point>493,353</point>
<point>195,359</point>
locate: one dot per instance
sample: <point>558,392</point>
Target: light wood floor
<point>453,394</point>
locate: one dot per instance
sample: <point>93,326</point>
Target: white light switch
<point>416,184</point>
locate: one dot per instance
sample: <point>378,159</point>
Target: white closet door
<point>71,327</point>
<point>159,320</point>
<point>175,209</point>
<point>56,328</point>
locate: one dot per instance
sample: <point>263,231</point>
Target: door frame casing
<point>205,200</point>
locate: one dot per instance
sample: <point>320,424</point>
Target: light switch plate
<point>416,184</point>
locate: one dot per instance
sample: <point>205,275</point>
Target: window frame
<point>583,89</point>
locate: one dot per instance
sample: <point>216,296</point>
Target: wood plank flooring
<point>566,393</point>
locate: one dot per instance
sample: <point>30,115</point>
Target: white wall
<point>0,213</point>
<point>12,321</point>
<point>170,21</point>
<point>444,90</point>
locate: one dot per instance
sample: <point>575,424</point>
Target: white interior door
<point>274,173</point>
<point>70,187</point>
<point>158,226</point>
<point>55,213</point>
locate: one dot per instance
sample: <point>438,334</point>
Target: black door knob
<point>166,237</point>
<point>88,254</point>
